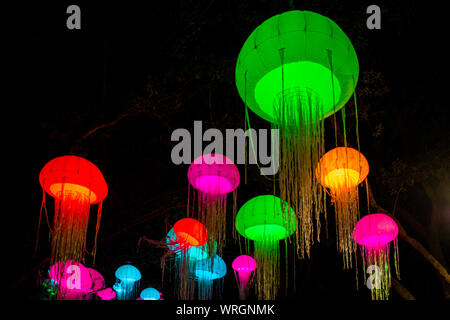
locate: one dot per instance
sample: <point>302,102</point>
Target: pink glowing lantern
<point>374,233</point>
<point>244,267</point>
<point>213,176</point>
<point>106,294</point>
<point>72,279</point>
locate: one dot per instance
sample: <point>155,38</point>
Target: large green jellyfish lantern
<point>294,70</point>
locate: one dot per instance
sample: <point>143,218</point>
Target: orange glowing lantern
<point>75,183</point>
<point>340,171</point>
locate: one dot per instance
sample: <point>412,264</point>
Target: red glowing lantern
<point>190,233</point>
<point>75,183</point>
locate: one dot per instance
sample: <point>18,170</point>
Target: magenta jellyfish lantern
<point>106,294</point>
<point>213,176</point>
<point>374,233</point>
<point>73,280</point>
<point>244,267</point>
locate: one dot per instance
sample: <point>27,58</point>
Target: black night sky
<point>141,70</point>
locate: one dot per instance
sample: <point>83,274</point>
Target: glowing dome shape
<point>73,174</point>
<point>128,273</point>
<point>150,294</point>
<point>190,233</point>
<point>262,217</point>
<point>106,294</point>
<point>301,40</point>
<point>98,282</point>
<point>72,278</point>
<point>210,269</point>
<point>194,253</point>
<point>375,230</point>
<point>342,167</point>
<point>74,275</point>
<point>244,263</point>
<point>214,174</point>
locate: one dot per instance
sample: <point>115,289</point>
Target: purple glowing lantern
<point>244,267</point>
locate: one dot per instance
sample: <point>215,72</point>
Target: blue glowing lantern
<point>206,271</point>
<point>127,282</point>
<point>150,294</point>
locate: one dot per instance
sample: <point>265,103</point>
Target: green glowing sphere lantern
<point>294,70</point>
<point>266,220</point>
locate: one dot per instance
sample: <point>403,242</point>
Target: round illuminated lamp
<point>75,175</point>
<point>375,230</point>
<point>244,263</point>
<point>263,217</point>
<point>342,167</point>
<point>196,253</point>
<point>190,233</point>
<point>213,174</point>
<point>210,269</point>
<point>150,294</point>
<point>291,52</point>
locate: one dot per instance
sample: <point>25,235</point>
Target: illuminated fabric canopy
<point>206,271</point>
<point>190,233</point>
<point>262,217</point>
<point>194,253</point>
<point>243,267</point>
<point>106,294</point>
<point>75,183</point>
<point>266,219</point>
<point>213,176</point>
<point>305,38</point>
<point>374,233</point>
<point>72,279</point>
<point>127,282</point>
<point>294,70</point>
<point>341,170</point>
<point>150,294</point>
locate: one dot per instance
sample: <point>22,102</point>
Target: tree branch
<point>401,290</point>
<point>411,241</point>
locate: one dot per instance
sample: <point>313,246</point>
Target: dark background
<point>148,68</point>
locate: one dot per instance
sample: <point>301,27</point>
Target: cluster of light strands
<point>374,233</point>
<point>244,268</point>
<point>213,176</point>
<point>294,70</point>
<point>206,272</point>
<point>150,294</point>
<point>72,279</point>
<point>128,279</point>
<point>76,184</point>
<point>187,239</point>
<point>106,294</point>
<point>266,220</point>
<point>340,171</point>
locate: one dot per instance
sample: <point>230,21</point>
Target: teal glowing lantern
<point>294,70</point>
<point>127,282</point>
<point>266,220</point>
<point>206,271</point>
<point>150,294</point>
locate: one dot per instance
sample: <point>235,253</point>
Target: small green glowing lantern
<point>266,220</point>
<point>294,70</point>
